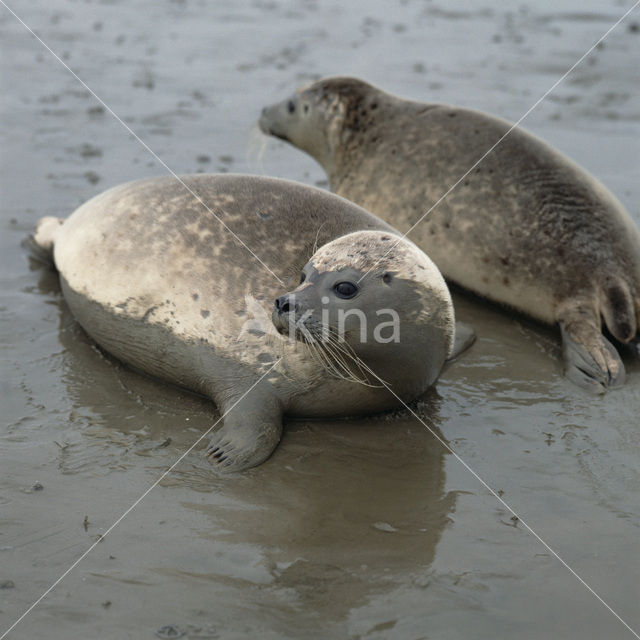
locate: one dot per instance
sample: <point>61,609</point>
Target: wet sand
<point>354,529</point>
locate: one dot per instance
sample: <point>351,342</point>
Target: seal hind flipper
<point>618,310</point>
<point>591,361</point>
<point>41,242</point>
<point>251,431</point>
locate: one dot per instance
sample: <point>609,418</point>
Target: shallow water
<point>360,529</point>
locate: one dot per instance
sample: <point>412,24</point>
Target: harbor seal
<point>173,285</point>
<point>527,227</point>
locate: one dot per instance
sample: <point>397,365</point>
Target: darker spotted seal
<point>527,227</point>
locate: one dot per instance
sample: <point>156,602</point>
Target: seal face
<point>173,285</point>
<point>527,227</point>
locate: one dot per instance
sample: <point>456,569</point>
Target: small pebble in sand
<point>169,631</point>
<point>384,526</point>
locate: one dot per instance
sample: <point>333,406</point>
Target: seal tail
<point>619,310</point>
<point>42,240</point>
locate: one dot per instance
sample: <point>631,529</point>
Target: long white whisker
<point>336,365</point>
<point>346,373</point>
<point>348,351</point>
<point>338,350</point>
<point>331,361</point>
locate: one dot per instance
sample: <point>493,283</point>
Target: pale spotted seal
<point>157,280</point>
<point>526,228</point>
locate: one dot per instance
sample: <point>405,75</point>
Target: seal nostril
<point>264,111</point>
<point>285,304</point>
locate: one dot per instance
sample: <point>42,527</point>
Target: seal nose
<point>286,303</point>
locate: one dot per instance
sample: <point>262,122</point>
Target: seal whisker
<point>318,351</point>
<point>350,376</point>
<point>339,367</point>
<point>348,351</point>
<point>315,243</point>
<point>325,360</point>
<point>338,357</point>
<point>363,380</point>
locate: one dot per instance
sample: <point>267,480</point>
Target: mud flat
<point>360,529</point>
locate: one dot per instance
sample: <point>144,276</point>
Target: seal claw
<point>244,442</point>
<point>592,362</point>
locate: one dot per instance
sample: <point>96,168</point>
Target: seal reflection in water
<point>526,228</point>
<point>158,281</point>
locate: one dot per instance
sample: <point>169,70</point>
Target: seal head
<point>320,118</point>
<point>374,309</point>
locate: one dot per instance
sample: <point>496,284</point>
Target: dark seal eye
<point>291,106</point>
<point>303,277</point>
<point>345,289</point>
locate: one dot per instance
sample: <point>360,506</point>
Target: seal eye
<point>345,289</point>
<point>303,277</point>
<point>291,106</point>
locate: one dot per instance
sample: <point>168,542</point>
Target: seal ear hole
<point>306,108</point>
<point>386,278</point>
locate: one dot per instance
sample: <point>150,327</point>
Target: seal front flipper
<point>464,337</point>
<point>591,361</point>
<point>251,431</point>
